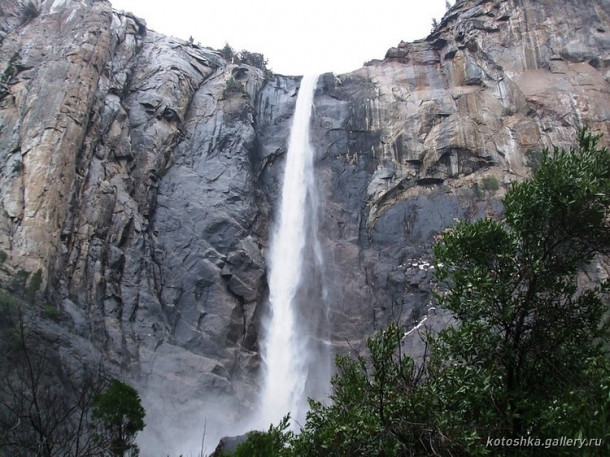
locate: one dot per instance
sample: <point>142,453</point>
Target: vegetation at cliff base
<point>52,407</point>
<point>120,411</point>
<point>525,370</point>
<point>274,441</point>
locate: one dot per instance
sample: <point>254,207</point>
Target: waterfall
<point>294,349</point>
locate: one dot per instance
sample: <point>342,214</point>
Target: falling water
<point>297,362</point>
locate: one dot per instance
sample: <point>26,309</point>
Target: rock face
<point>438,129</point>
<point>140,174</point>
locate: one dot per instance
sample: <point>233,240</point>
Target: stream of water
<point>297,360</point>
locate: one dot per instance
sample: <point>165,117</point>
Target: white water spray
<point>294,360</point>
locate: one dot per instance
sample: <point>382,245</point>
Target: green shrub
<point>526,357</point>
<point>51,311</point>
<point>9,72</point>
<point>476,190</point>
<point>233,87</point>
<point>509,110</point>
<point>3,256</point>
<point>529,356</point>
<point>121,415</point>
<point>7,301</point>
<point>272,443</point>
<point>16,337</point>
<point>18,166</point>
<point>35,283</point>
<point>490,183</point>
<point>254,59</point>
<point>19,280</point>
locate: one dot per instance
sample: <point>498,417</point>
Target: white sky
<point>313,37</point>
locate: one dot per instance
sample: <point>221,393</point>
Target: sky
<point>314,37</point>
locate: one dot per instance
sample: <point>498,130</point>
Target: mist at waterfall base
<point>295,333</point>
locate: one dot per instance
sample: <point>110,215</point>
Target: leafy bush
<point>7,301</point>
<point>526,332</point>
<point>51,311</point>
<point>3,256</point>
<point>273,443</point>
<point>509,110</point>
<point>45,405</point>
<point>490,183</point>
<point>35,283</point>
<point>18,166</point>
<point>9,72</point>
<point>19,280</point>
<point>527,358</point>
<point>120,411</point>
<point>379,406</point>
<point>253,59</point>
<point>233,87</point>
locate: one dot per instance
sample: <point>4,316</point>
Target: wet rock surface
<point>144,191</point>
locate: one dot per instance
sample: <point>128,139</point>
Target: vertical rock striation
<point>437,130</point>
<point>128,179</point>
<point>139,173</point>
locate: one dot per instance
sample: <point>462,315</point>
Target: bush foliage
<point>120,411</point>
<point>253,59</point>
<point>233,86</point>
<point>528,356</point>
<point>51,407</point>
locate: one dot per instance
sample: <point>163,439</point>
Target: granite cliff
<point>140,174</point>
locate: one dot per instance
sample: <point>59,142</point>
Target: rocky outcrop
<point>140,173</point>
<point>128,181</point>
<point>436,132</point>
